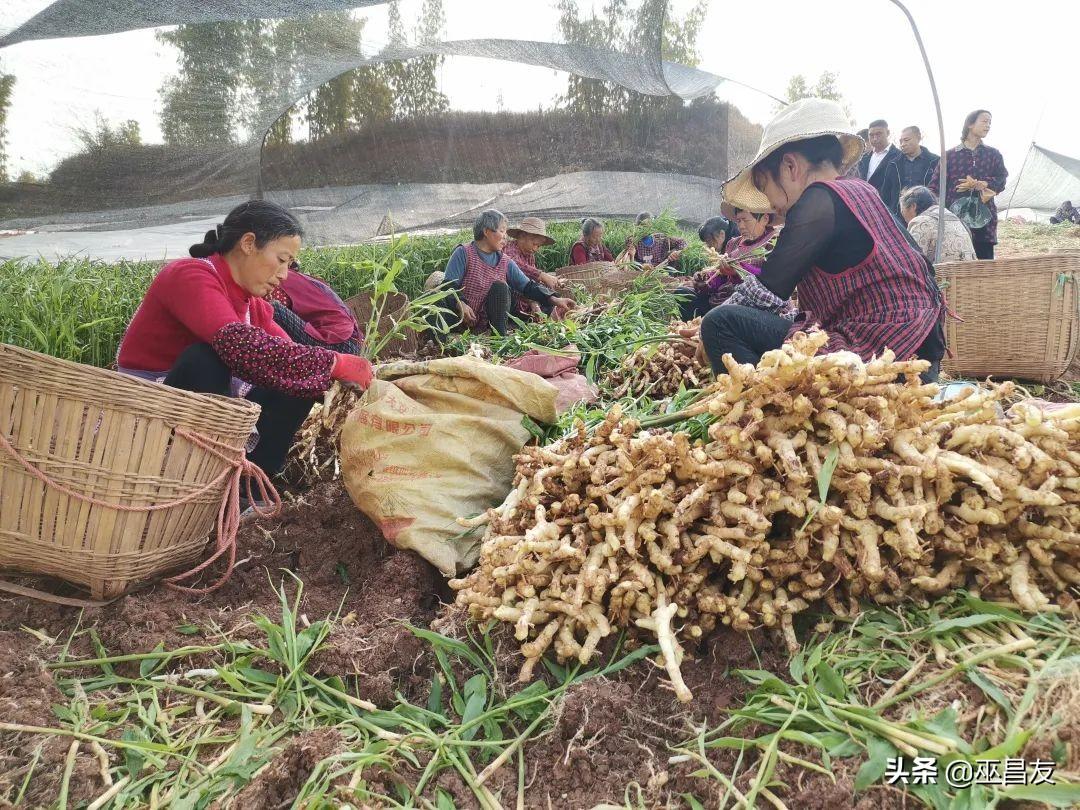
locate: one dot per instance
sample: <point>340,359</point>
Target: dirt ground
<point>345,565</point>
<point>609,740</point>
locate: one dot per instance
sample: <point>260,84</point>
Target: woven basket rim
<point>112,478</point>
<point>587,267</point>
<point>1067,254</point>
<point>114,379</point>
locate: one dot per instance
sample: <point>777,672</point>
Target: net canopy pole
<point>943,166</point>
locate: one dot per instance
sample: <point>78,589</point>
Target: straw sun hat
<point>533,225</point>
<point>804,119</point>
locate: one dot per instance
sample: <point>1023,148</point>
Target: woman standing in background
<point>975,168</point>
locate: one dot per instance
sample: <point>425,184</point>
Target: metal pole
<point>942,166</point>
<point>262,149</point>
<point>1020,176</point>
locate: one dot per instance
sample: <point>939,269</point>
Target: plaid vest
<point>593,253</point>
<point>888,301</point>
<point>479,276</point>
<point>520,305</point>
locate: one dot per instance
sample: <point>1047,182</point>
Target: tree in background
<point>229,73</point>
<point>603,30</point>
<point>328,109</point>
<point>414,83</point>
<point>7,85</point>
<point>827,87</point>
<point>199,104</point>
<point>102,136</point>
<point>616,27</point>
<point>797,89</point>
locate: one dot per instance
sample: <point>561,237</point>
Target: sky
<point>1007,57</point>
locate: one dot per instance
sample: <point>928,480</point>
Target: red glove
<point>351,368</point>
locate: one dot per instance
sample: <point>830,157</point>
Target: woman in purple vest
<point>482,276</point>
<point>857,273</point>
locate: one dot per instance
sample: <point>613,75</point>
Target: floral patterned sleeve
<point>924,231</point>
<point>997,174</point>
<point>269,361</point>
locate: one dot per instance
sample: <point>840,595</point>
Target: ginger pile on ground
<point>641,530</point>
<point>658,370</point>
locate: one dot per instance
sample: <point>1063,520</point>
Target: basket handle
<point>228,522</point>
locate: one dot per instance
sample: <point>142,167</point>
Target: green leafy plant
<point>385,325</point>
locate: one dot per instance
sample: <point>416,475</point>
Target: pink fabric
<point>561,371</point>
<point>328,319</point>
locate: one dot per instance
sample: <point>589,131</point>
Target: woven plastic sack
<point>434,441</point>
<point>972,211</point>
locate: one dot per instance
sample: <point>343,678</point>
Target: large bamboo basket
<point>113,438</point>
<point>598,277</point>
<point>1021,316</point>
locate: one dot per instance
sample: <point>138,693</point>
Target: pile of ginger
<point>825,481</point>
<point>314,456</point>
<point>660,370</point>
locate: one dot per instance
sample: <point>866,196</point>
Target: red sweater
<point>188,302</point>
<point>580,254</point>
<point>197,301</point>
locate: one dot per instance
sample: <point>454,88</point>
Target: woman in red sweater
<point>590,247</point>
<point>205,326</point>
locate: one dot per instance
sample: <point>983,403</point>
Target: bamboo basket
<point>598,277</point>
<point>1021,316</point>
<point>114,438</point>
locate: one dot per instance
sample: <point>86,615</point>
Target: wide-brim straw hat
<point>807,118</point>
<point>531,225</point>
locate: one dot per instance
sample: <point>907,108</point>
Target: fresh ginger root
<point>644,531</point>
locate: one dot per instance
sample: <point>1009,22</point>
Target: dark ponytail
<point>267,220</point>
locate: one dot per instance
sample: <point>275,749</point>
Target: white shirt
<point>875,161</point>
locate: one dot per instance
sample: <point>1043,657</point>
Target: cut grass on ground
<point>962,679</point>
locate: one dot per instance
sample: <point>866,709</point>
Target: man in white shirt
<point>878,167</point>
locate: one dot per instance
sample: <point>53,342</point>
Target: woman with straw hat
<point>858,274</point>
<point>482,277</point>
<point>528,237</point>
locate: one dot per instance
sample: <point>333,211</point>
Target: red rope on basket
<point>229,514</point>
<point>228,521</point>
